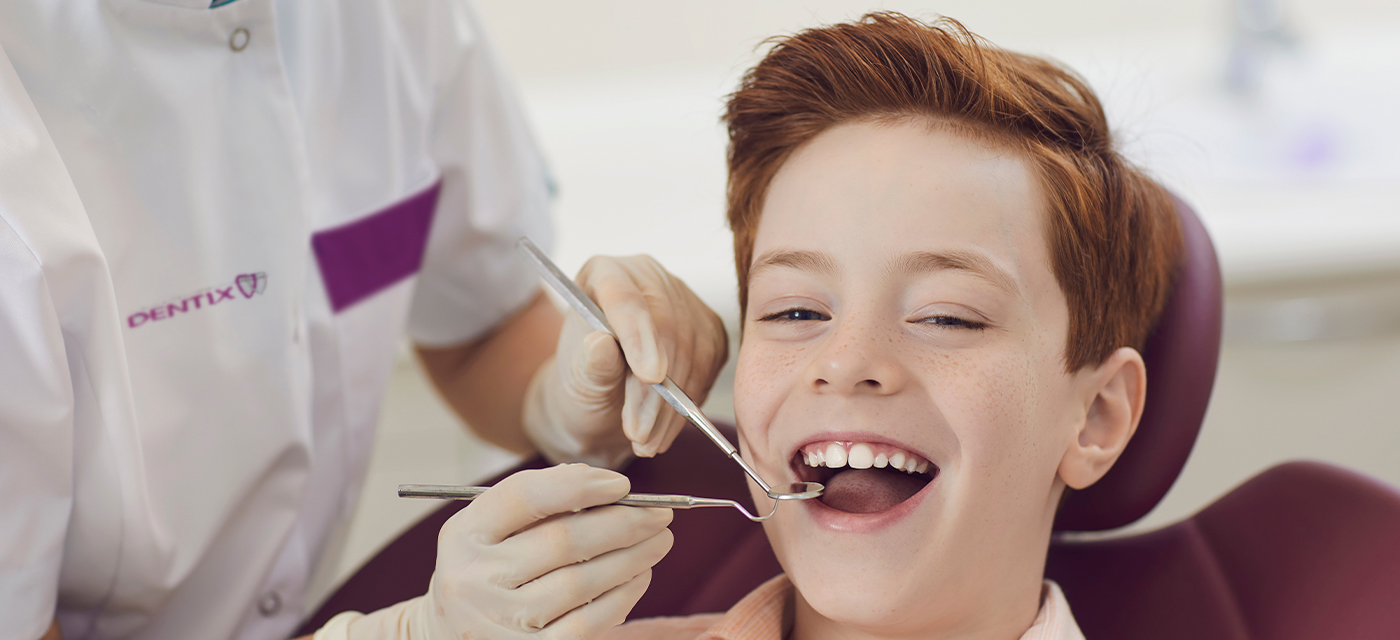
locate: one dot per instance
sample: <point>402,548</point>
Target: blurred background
<point>1274,119</point>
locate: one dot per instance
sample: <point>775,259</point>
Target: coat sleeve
<point>495,183</point>
<point>36,396</point>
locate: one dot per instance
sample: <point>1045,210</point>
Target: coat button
<point>239,39</point>
<point>269,604</point>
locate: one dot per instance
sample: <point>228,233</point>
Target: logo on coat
<point>250,284</point>
<point>247,284</point>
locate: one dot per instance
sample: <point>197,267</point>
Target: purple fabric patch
<point>371,254</point>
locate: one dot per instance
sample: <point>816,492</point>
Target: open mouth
<point>863,477</point>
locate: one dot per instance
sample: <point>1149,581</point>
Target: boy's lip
<point>841,521</point>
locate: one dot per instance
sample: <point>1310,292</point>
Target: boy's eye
<point>953,321</point>
<point>795,315</point>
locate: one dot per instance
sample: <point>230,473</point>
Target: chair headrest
<point>1181,357</point>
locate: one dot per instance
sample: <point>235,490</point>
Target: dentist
<point>215,223</point>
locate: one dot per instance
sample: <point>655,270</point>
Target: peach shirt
<point>760,616</point>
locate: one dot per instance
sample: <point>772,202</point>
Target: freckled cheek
<point>766,377</point>
<point>990,405</point>
<point>759,376</point>
<point>936,365</point>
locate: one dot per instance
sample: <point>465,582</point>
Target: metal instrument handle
<point>659,500</point>
<point>565,287</point>
<point>593,315</point>
<point>440,491</point>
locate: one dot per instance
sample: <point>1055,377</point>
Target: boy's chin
<point>859,585</point>
<point>866,600</point>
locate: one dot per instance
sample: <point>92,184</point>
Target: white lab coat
<point>211,223</point>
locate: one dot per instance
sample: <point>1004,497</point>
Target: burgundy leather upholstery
<point>1301,551</point>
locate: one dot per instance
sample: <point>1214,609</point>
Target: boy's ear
<point>1114,393</point>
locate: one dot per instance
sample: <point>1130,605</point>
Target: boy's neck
<point>1008,617</point>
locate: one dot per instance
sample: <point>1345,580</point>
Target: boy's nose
<point>857,360</point>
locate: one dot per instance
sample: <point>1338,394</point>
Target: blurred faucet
<point>1258,30</point>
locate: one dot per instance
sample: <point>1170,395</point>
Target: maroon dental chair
<point>1303,550</point>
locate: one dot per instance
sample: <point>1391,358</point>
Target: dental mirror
<point>799,491</point>
<point>666,388</point>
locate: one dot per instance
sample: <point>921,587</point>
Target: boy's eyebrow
<point>975,263</point>
<point>802,260</point>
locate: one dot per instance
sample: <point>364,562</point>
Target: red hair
<point>1112,232</point>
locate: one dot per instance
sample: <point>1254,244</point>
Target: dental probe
<point>661,500</point>
<point>667,389</point>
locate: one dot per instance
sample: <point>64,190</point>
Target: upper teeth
<point>860,455</point>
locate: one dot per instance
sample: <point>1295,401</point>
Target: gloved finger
<point>630,313</point>
<point>693,368</point>
<point>684,370</point>
<point>604,613</point>
<point>669,420</point>
<point>693,329</point>
<point>704,368</point>
<point>529,496</point>
<point>597,370</point>
<point>573,538</point>
<point>672,431</point>
<point>562,590</point>
<point>654,411</point>
<point>640,408</point>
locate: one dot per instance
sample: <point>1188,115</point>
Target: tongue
<point>870,490</point>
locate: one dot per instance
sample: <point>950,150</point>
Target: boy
<point>945,274</point>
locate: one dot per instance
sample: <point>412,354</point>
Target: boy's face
<point>902,307</point>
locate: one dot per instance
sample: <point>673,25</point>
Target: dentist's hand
<point>530,558</point>
<point>594,396</point>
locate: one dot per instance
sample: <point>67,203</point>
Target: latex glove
<point>530,559</point>
<point>594,384</point>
